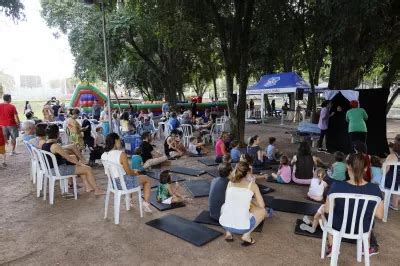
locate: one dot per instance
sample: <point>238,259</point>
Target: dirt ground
<point>74,232</point>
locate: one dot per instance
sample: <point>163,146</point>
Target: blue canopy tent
<point>279,83</point>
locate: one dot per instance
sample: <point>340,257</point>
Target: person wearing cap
<point>356,118</point>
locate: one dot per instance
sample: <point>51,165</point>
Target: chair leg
<point>51,190</point>
<point>359,249</point>
<point>106,203</point>
<point>335,249</point>
<point>117,203</point>
<point>323,246</point>
<point>39,183</point>
<point>45,180</point>
<point>386,204</point>
<point>366,249</point>
<point>75,188</point>
<point>140,203</point>
<point>128,201</point>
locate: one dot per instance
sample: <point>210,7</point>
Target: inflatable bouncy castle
<point>85,95</point>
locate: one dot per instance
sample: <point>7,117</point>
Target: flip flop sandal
<point>246,243</point>
<point>229,239</point>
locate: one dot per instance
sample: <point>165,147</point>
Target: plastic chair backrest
<point>28,146</point>
<point>110,168</point>
<point>47,157</point>
<point>396,166</point>
<point>187,130</point>
<point>359,200</point>
<point>40,159</point>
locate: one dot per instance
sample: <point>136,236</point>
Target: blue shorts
<point>130,182</point>
<point>65,169</point>
<point>279,179</point>
<point>242,231</point>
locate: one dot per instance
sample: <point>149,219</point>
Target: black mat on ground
<point>268,200</point>
<point>204,218</point>
<point>297,207</point>
<point>208,161</point>
<point>156,175</point>
<point>198,188</point>
<point>213,172</point>
<point>187,171</point>
<point>163,207</point>
<point>265,189</point>
<point>184,229</point>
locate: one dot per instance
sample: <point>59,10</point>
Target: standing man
<point>323,123</point>
<point>56,107</point>
<point>9,121</point>
<point>165,108</point>
<point>96,110</point>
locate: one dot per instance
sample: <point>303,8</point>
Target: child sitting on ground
<point>227,158</point>
<point>273,154</point>
<point>196,148</point>
<point>137,161</point>
<point>317,186</point>
<point>217,190</point>
<point>284,174</point>
<point>3,148</point>
<point>339,168</point>
<point>376,170</point>
<point>235,152</point>
<point>165,193</point>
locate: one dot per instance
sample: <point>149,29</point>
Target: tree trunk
<point>214,79</point>
<point>231,103</point>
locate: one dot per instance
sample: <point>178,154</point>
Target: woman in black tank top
<point>62,157</point>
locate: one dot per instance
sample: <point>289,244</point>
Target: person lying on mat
<point>304,163</point>
<point>150,156</point>
<point>220,147</point>
<point>132,178</point>
<point>239,214</point>
<point>166,193</point>
<point>69,165</point>
<point>317,185</point>
<point>217,190</point>
<point>356,168</point>
<point>284,174</point>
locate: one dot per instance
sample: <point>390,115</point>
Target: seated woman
<point>239,214</point>
<point>393,157</point>
<point>255,151</point>
<point>220,148</point>
<point>356,167</point>
<point>69,165</point>
<point>304,163</point>
<point>217,190</point>
<point>113,153</point>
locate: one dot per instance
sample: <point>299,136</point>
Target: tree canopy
<point>161,47</point>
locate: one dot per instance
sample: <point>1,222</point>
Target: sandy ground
<point>74,232</point>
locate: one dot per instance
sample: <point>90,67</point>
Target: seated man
<point>173,121</point>
<point>217,190</point>
<point>29,129</point>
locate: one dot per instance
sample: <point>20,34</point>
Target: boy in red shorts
<point>2,148</point>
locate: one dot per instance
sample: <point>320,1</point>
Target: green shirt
<point>162,192</point>
<point>339,171</point>
<point>356,118</point>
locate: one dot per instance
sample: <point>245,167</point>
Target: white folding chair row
<point>361,201</point>
<point>115,172</point>
<point>34,162</point>
<point>52,175</point>
<point>389,191</point>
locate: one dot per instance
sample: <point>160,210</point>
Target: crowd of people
<point>235,199</point>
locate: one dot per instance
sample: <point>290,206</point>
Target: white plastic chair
<point>53,176</point>
<point>34,162</point>
<point>187,133</point>
<point>361,236</point>
<point>41,171</point>
<point>389,191</point>
<point>110,168</point>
